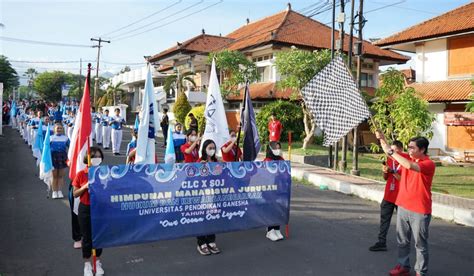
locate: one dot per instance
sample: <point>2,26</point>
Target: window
<point>367,80</point>
<point>265,73</point>
<point>369,66</point>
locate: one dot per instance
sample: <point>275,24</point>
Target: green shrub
<point>181,108</point>
<point>290,116</point>
<point>198,112</point>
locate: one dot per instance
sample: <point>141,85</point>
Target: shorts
<point>59,159</point>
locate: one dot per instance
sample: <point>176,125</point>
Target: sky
<point>76,22</point>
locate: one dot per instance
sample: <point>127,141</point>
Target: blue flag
<point>137,123</point>
<point>46,163</point>
<point>13,109</point>
<point>39,140</point>
<point>251,145</point>
<point>170,156</point>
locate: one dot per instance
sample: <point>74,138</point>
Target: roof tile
<point>444,91</point>
<point>455,21</point>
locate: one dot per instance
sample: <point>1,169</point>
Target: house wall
<point>432,61</point>
<point>439,139</point>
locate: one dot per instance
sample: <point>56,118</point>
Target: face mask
<point>233,139</point>
<point>192,138</point>
<point>210,152</point>
<point>96,161</point>
<point>276,152</point>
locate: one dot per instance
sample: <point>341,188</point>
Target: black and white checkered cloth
<point>334,101</point>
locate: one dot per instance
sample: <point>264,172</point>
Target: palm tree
<point>114,90</point>
<point>171,83</point>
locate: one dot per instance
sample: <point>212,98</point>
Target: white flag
<point>149,122</point>
<point>216,120</point>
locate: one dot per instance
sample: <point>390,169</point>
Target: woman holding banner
<point>274,154</point>
<point>81,189</point>
<point>206,245</point>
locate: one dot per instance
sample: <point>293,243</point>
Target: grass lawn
<point>451,180</point>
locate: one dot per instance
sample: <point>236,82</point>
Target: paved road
<point>330,234</point>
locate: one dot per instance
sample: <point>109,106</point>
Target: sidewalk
<point>447,207</point>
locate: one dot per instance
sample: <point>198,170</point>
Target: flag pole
<point>287,227</point>
<point>240,124</point>
<point>94,255</point>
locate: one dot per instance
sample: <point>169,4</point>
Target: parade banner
<point>143,203</point>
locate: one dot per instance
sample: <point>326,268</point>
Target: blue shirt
<point>117,122</point>
<point>105,120</point>
<point>59,143</point>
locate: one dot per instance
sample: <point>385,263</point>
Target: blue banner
<point>143,203</point>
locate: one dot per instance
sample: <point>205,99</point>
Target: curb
<point>442,211</point>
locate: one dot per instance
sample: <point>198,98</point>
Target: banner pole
<point>287,227</point>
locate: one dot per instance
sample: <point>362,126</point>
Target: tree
<point>172,80</point>
<point>297,67</point>
<point>289,114</point>
<point>470,105</point>
<point>114,91</point>
<point>8,75</point>
<point>235,69</point>
<point>125,69</point>
<point>48,85</point>
<point>399,111</point>
<point>181,108</point>
<point>198,112</point>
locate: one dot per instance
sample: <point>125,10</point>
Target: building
<point>444,58</point>
<point>260,41</point>
<point>133,82</point>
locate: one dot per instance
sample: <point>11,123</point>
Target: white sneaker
<point>55,195</point>
<point>279,235</point>
<point>60,194</point>
<point>271,235</point>
<point>98,268</point>
<point>88,269</point>
<point>77,244</point>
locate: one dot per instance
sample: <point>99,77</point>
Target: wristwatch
<point>390,152</point>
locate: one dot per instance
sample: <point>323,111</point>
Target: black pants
<point>165,133</point>
<point>86,229</point>
<point>386,212</point>
<point>206,239</point>
<point>76,229</point>
<point>277,227</point>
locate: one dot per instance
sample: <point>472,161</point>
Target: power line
<point>142,19</point>
<point>47,43</point>
<point>156,21</point>
<point>162,25</point>
<point>37,61</point>
<point>407,8</point>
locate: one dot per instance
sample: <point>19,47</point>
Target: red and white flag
<point>81,133</point>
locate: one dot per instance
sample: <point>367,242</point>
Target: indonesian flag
<point>82,131</point>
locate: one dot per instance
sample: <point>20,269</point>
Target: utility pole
<point>330,161</point>
<point>361,23</point>
<point>96,86</point>
<point>341,20</point>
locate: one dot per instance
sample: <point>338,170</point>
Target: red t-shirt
<point>193,156</point>
<point>80,180</point>
<point>392,184</point>
<point>274,129</point>
<point>230,156</point>
<point>415,187</point>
